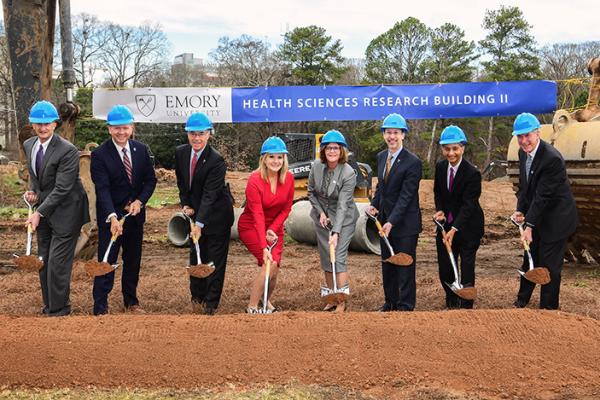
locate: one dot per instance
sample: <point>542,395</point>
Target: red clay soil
<point>501,353</point>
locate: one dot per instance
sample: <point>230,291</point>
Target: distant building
<point>186,64</point>
<point>188,60</point>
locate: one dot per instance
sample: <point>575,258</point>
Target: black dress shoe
<point>60,313</point>
<point>209,310</point>
<point>519,304</point>
<point>386,307</point>
<point>44,310</point>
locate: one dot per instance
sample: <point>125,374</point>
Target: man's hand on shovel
<point>116,227</point>
<point>33,220</point>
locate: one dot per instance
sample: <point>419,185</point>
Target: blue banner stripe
<point>346,103</point>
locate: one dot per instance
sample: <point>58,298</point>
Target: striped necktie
<point>388,166</point>
<point>127,164</point>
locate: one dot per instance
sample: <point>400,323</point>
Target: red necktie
<point>193,167</point>
<point>127,164</point>
<point>450,184</point>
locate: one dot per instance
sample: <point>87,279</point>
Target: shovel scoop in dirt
<point>399,259</point>
<point>28,262</point>
<point>464,292</point>
<point>334,295</point>
<point>538,275</point>
<point>199,270</point>
<point>95,268</point>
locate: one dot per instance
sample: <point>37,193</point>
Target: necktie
<point>193,167</point>
<point>450,184</point>
<point>388,166</point>
<point>127,164</point>
<point>528,166</point>
<point>39,160</point>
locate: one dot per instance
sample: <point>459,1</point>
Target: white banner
<point>169,105</point>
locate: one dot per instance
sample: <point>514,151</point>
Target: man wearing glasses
<point>206,199</point>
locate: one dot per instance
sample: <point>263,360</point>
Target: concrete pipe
<point>301,228</point>
<point>178,228</point>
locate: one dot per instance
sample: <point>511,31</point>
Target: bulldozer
<point>576,136</point>
<point>29,26</point>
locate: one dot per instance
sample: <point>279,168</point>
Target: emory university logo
<point>145,103</point>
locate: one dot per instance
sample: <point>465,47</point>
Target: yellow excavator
<point>577,136</point>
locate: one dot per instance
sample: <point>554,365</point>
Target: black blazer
<point>546,199</point>
<point>209,196</point>
<point>113,189</point>
<point>463,201</point>
<point>398,199</point>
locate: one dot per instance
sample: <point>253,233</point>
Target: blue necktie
<point>39,160</point>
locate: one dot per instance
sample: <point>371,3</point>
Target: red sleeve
<point>277,223</point>
<point>254,205</point>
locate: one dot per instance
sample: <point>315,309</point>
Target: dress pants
<point>57,249</point>
<point>464,253</point>
<point>213,247</point>
<point>399,283</point>
<point>131,243</point>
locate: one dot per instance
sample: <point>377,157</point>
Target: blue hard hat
<point>525,123</point>
<point>43,112</point>
<point>273,145</point>
<point>119,115</point>
<point>396,121</point>
<point>198,122</point>
<point>452,134</point>
<point>333,136</point>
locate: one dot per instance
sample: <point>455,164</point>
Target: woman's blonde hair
<point>262,167</point>
<point>343,155</point>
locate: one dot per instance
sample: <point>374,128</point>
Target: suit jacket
<point>113,189</point>
<point>398,199</point>
<point>208,194</point>
<point>61,197</point>
<point>546,199</point>
<point>338,203</point>
<point>463,200</point>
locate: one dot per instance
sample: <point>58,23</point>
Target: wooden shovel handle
<point>332,253</point>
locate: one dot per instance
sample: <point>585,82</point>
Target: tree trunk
<point>488,157</point>
<point>431,144</point>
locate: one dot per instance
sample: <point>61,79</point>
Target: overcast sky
<point>195,26</point>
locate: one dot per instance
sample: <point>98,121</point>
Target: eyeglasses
<point>200,134</point>
<point>335,149</point>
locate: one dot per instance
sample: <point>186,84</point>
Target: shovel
<point>28,262</point>
<point>199,270</point>
<point>265,300</point>
<point>95,268</point>
<point>400,259</point>
<point>539,275</point>
<point>467,293</point>
<point>335,295</point>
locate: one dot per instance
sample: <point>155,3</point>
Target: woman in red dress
<point>269,196</point>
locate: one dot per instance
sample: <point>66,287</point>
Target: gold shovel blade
<point>467,293</point>
<point>538,275</point>
<point>29,263</point>
<point>97,268</point>
<point>400,259</point>
<point>201,270</point>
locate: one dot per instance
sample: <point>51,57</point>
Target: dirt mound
<point>522,353</point>
<point>165,175</point>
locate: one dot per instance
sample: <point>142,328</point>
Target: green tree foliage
<point>510,46</point>
<point>312,57</point>
<point>398,54</point>
<point>452,57</point>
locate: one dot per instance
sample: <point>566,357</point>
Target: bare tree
<point>132,54</point>
<point>6,94</point>
<point>246,61</point>
<point>89,38</point>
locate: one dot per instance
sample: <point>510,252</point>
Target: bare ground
<point>490,352</point>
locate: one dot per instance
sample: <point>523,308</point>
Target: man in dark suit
<point>124,178</point>
<point>397,200</point>
<point>456,188</point>
<point>546,206</point>
<point>206,199</point>
<point>62,209</point>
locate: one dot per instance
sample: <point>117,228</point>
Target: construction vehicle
<point>29,26</point>
<point>577,136</point>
